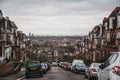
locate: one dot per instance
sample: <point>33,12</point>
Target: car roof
<point>95,63</point>
<point>115,52</point>
<point>34,61</point>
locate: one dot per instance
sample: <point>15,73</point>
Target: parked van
<point>110,70</point>
<point>76,61</point>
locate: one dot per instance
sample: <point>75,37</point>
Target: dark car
<point>79,68</point>
<point>33,68</point>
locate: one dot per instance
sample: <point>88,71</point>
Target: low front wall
<point>6,68</point>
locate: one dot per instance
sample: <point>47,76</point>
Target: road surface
<point>56,73</point>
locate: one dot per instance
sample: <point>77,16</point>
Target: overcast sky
<point>57,17</point>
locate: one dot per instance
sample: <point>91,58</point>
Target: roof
<point>114,52</point>
<point>114,12</point>
<point>1,12</point>
<point>14,25</point>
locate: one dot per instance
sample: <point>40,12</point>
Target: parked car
<point>110,70</point>
<point>44,67</point>
<point>60,64</point>
<point>55,64</point>
<point>69,67</point>
<point>75,61</point>
<point>2,59</point>
<point>79,68</point>
<point>33,68</point>
<point>48,64</point>
<point>66,65</point>
<point>92,71</point>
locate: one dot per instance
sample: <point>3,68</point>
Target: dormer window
<point>118,21</point>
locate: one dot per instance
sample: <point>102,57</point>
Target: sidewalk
<point>14,76</point>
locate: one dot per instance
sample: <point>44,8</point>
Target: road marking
<point>21,78</point>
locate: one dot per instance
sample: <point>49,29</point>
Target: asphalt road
<point>57,73</point>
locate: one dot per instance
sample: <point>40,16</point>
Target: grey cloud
<point>77,16</point>
<point>56,7</point>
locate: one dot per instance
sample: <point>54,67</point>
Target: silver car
<point>110,70</point>
<point>92,71</point>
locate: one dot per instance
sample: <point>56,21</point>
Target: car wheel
<point>76,71</point>
<point>27,77</point>
<point>90,78</point>
<point>41,75</point>
<point>86,76</point>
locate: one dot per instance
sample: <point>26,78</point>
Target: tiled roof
<point>114,12</point>
<point>14,25</point>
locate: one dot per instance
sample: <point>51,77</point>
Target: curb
<point>21,78</point>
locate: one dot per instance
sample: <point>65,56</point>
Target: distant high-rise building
<point>30,34</point>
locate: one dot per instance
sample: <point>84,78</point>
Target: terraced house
<point>103,38</point>
<point>12,41</point>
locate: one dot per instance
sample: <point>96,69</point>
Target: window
<point>118,35</point>
<point>108,61</point>
<point>112,60</point>
<point>6,24</point>
<point>111,22</point>
<point>118,21</point>
<point>108,37</point>
<point>106,27</point>
<point>2,37</point>
<point>33,64</point>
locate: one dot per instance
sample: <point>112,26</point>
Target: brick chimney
<point>1,14</point>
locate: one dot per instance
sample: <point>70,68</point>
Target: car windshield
<point>96,64</point>
<point>43,64</point>
<point>54,63</point>
<point>80,65</point>
<point>33,64</point>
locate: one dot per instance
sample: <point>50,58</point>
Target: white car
<point>1,59</point>
<point>110,70</point>
<point>55,64</point>
<point>92,71</point>
<point>75,61</point>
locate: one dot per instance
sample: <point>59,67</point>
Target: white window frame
<point>118,35</point>
<point>111,22</point>
<point>108,37</point>
<point>118,21</point>
<point>106,26</point>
